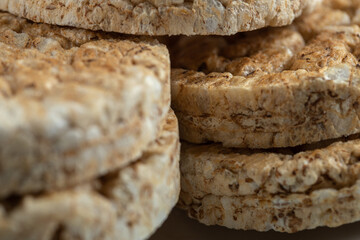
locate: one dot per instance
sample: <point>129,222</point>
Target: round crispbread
<point>286,190</point>
<point>129,203</point>
<point>211,168</point>
<point>74,104</point>
<point>162,17</point>
<point>284,213</point>
<point>269,88</point>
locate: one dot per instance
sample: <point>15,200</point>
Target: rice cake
<point>162,17</point>
<point>75,104</point>
<point>211,168</point>
<point>129,203</point>
<point>268,88</point>
<point>331,13</point>
<point>286,190</point>
<point>282,213</point>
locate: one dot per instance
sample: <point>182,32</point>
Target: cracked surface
<point>163,17</point>
<point>125,204</point>
<point>268,88</point>
<point>213,169</point>
<point>74,103</point>
<point>283,213</point>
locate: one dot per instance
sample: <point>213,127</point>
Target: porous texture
<point>283,213</point>
<point>125,204</point>
<point>331,13</point>
<point>287,190</point>
<point>163,17</point>
<point>211,168</point>
<point>74,104</point>
<point>268,88</point>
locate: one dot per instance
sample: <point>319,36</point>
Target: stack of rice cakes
<point>89,145</point>
<point>283,106</point>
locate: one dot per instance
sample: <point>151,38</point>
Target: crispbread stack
<point>271,120</point>
<point>89,145</point>
<point>127,203</point>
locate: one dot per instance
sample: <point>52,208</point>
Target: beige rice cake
<point>331,13</point>
<point>75,104</point>
<point>276,87</point>
<point>129,203</point>
<point>162,17</point>
<point>287,190</point>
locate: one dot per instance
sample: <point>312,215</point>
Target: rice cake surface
<point>211,168</point>
<point>283,213</point>
<point>268,88</point>
<point>75,103</point>
<point>162,17</point>
<point>331,13</point>
<point>129,203</point>
<point>286,190</point>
